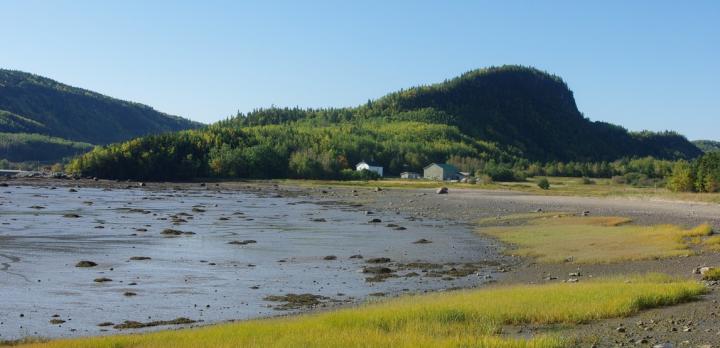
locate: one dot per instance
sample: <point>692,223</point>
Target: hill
<point>707,145</point>
<point>508,113</point>
<point>34,104</point>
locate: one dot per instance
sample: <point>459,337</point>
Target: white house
<point>365,166</point>
<point>410,175</point>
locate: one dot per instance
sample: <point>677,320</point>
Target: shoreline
<point>325,203</point>
<point>467,207</point>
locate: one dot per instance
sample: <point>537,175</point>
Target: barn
<point>441,171</point>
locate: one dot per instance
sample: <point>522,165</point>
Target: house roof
<point>444,166</point>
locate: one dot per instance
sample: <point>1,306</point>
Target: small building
<point>373,168</point>
<point>410,175</point>
<point>444,171</point>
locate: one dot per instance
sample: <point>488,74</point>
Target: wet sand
<point>303,243</point>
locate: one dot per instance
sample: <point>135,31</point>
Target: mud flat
<point>91,258</point>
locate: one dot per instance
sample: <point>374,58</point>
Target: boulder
<point>442,191</point>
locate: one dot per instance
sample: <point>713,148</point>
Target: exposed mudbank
<point>91,259</point>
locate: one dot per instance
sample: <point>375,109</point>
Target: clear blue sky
<point>641,64</point>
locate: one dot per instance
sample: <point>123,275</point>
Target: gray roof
<point>444,166</point>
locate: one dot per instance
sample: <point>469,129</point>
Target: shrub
<point>587,181</point>
<point>349,174</point>
<point>544,184</point>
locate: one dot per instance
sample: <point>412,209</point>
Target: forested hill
<point>514,106</point>
<point>707,145</point>
<point>508,114</point>
<point>34,104</point>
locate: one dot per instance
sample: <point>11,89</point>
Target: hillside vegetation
<point>34,104</point>
<point>707,145</point>
<point>18,147</point>
<point>504,114</point>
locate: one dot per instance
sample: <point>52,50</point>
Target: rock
<point>171,232</point>
<point>85,263</point>
<point>330,258</point>
<point>379,260</point>
<point>358,256</point>
<point>72,190</point>
<point>442,191</point>
<point>129,294</point>
<point>140,258</point>
<point>56,321</point>
<point>704,270</point>
<point>71,216</point>
<point>573,280</point>
<point>574,274</point>
<point>375,221</point>
<point>141,184</point>
<point>243,242</point>
<point>319,220</point>
<point>377,270</point>
<point>538,210</point>
<point>378,189</point>
<point>102,280</point>
<point>586,213</point>
<point>422,241</point>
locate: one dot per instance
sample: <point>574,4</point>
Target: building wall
<point>434,172</point>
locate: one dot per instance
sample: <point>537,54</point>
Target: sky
<point>640,64</point>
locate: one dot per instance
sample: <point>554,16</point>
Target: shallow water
<point>199,276</point>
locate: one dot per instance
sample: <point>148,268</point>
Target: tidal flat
<point>88,260</point>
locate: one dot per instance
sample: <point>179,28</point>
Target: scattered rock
<point>243,242</point>
<point>85,263</point>
<point>295,301</point>
<point>172,232</point>
<point>138,325</point>
<point>422,241</point>
<point>379,260</point>
<point>377,270</point>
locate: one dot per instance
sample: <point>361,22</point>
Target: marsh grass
<point>453,319</point>
<point>713,274</point>
<point>554,237</point>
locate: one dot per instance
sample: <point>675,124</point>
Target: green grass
<point>559,186</point>
<point>713,274</point>
<point>554,237</point>
<point>454,319</point>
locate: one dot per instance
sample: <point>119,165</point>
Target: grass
<point>559,186</point>
<point>554,237</point>
<point>455,319</point>
<point>713,274</point>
